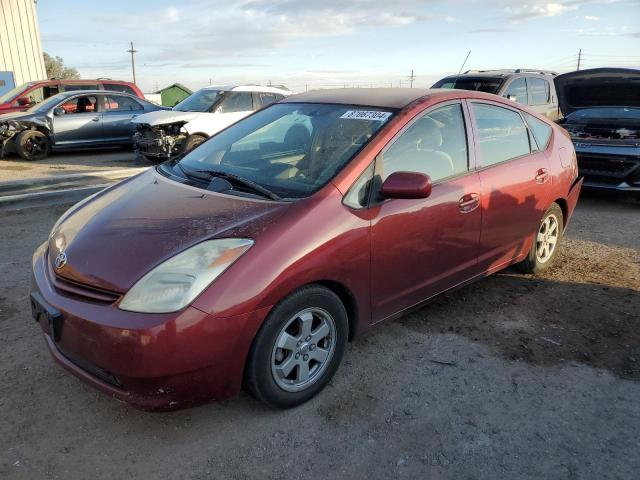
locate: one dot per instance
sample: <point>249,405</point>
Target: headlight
<point>178,281</point>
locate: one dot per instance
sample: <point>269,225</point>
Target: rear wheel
<point>32,145</point>
<point>193,141</point>
<point>298,348</point>
<point>546,242</point>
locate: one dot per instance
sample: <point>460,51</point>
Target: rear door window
<point>262,99</point>
<point>502,135</point>
<point>116,103</point>
<point>517,88</point>
<point>539,91</point>
<point>117,87</point>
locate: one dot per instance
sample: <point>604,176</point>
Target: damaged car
<point>601,109</point>
<point>71,120</point>
<point>162,135</point>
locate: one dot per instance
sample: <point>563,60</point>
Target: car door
<point>117,114</point>
<point>421,247</point>
<point>514,179</point>
<point>234,106</point>
<point>516,90</point>
<point>80,124</point>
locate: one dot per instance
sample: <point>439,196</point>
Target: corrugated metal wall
<point>20,48</point>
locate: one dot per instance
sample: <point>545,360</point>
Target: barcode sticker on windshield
<point>366,115</point>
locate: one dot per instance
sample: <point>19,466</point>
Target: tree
<point>55,68</point>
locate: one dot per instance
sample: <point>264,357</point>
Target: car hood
<point>20,116</point>
<point>598,87</point>
<point>165,117</point>
<point>114,238</point>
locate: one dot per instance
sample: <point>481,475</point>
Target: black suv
<point>534,88</point>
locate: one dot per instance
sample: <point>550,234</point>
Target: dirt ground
<point>15,168</point>
<point>514,377</point>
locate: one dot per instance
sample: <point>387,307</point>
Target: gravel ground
<point>513,377</point>
<point>15,168</point>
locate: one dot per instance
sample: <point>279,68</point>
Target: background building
<point>20,49</point>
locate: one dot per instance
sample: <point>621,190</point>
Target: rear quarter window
<point>541,131</point>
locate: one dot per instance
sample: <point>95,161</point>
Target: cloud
<point>537,10</point>
<point>591,18</point>
<point>491,30</point>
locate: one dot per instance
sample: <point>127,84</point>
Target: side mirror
<point>513,98</point>
<point>59,111</point>
<point>406,185</point>
<point>22,101</point>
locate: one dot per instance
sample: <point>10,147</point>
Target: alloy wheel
<point>547,238</point>
<point>303,349</point>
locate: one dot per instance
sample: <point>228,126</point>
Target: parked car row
<point>600,108</point>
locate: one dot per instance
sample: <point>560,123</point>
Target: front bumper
<point>159,145</point>
<point>609,167</point>
<point>152,361</point>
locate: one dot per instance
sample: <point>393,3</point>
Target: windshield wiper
<point>207,175</point>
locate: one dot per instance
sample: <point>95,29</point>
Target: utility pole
<point>579,59</point>
<point>133,62</point>
<point>412,77</point>
<point>465,62</point>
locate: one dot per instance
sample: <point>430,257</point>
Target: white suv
<point>163,134</point>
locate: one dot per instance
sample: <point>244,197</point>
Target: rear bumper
<point>153,362</point>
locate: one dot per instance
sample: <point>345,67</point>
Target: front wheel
<point>32,145</point>
<point>546,242</point>
<point>298,348</point>
<point>192,142</point>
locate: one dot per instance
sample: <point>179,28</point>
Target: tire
<point>536,261</point>
<point>32,145</point>
<point>308,324</point>
<point>192,142</point>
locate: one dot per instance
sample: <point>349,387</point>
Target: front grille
<point>84,291</point>
<point>607,168</point>
<point>78,290</point>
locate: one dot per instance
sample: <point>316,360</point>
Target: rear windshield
<point>291,149</point>
<point>480,84</point>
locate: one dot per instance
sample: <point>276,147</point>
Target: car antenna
<point>465,62</point>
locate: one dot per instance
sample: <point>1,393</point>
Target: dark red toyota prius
<point>251,260</point>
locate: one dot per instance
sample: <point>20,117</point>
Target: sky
<point>333,43</point>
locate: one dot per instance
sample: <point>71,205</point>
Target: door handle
<point>95,119</point>
<point>469,202</point>
<point>542,175</point>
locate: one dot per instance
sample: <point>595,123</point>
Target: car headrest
<point>426,134</point>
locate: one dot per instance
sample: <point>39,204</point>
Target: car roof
<point>249,88</point>
<point>371,97</point>
<point>98,92</point>
<point>503,73</point>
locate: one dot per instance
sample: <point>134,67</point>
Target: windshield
<point>14,92</point>
<point>480,84</point>
<point>291,149</point>
<point>48,103</point>
<point>201,101</point>
<point>604,113</point>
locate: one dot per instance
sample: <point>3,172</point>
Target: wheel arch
<point>564,206</point>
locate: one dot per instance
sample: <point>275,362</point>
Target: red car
<point>254,258</point>
<point>29,94</point>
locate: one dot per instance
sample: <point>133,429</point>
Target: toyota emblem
<point>61,260</point>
